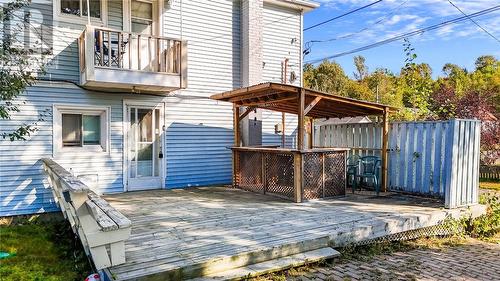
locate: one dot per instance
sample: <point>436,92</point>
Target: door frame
<point>125,127</point>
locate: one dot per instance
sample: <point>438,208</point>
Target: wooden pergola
<point>305,103</point>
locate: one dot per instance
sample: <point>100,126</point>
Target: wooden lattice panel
<point>335,177</point>
<point>313,176</point>
<point>279,174</point>
<point>250,171</point>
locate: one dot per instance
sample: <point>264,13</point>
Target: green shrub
<point>482,227</point>
<point>488,224</point>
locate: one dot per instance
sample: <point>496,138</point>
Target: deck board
<point>174,229</point>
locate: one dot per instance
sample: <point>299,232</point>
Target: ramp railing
<point>101,228</point>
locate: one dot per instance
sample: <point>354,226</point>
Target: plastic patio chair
<point>370,170</point>
<point>353,170</point>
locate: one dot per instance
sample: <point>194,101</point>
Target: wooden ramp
<point>217,232</point>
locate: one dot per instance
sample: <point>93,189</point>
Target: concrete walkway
<point>475,260</point>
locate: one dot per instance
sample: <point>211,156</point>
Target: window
<point>71,130</point>
<point>79,8</point>
<point>91,130</point>
<point>80,129</point>
<point>142,16</point>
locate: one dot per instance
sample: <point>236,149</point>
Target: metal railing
<point>109,48</point>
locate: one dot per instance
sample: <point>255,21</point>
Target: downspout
<point>284,75</point>
<point>88,12</point>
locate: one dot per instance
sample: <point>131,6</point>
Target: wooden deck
<point>181,234</point>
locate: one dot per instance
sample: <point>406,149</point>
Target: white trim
<point>59,109</point>
<point>157,16</point>
<point>125,127</point>
<point>126,25</point>
<point>303,5</point>
<point>67,18</point>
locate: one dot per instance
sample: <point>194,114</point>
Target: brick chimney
<point>251,64</point>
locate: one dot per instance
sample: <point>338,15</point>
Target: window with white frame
<point>81,128</point>
<point>79,8</point>
<point>141,12</point>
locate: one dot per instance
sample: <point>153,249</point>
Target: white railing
<point>101,228</point>
<point>109,48</point>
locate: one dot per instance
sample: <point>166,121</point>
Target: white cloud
<point>393,17</point>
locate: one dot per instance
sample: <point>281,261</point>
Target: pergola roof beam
<point>274,96</point>
<point>311,105</point>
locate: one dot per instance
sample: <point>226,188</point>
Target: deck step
<point>272,265</point>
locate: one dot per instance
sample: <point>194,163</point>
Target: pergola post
<point>310,141</point>
<point>237,143</point>
<point>300,113</point>
<point>385,144</point>
<point>298,164</point>
<point>283,128</point>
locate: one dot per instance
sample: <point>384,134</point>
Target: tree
<point>473,104</point>
<point>485,63</point>
<point>443,103</point>
<point>383,85</point>
<point>416,84</point>
<point>456,77</point>
<point>19,65</point>
<point>476,105</point>
<point>327,77</point>
<point>361,68</point>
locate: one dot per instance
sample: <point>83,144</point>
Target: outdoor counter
<point>291,174</point>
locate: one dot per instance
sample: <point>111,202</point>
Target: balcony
<point>124,61</point>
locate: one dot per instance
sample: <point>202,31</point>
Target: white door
<point>144,147</point>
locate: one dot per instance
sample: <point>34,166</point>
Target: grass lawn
<point>489,185</point>
<point>44,251</point>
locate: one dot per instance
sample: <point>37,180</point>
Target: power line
<point>409,34</point>
<point>363,29</point>
<point>472,20</point>
<point>342,15</point>
<point>309,44</point>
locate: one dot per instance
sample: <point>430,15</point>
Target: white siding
<point>282,39</point>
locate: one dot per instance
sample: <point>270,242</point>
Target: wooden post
<point>237,143</point>
<point>297,176</point>
<point>385,144</point>
<point>297,158</point>
<point>283,134</point>
<point>300,112</point>
<point>311,133</point>
<point>263,172</point>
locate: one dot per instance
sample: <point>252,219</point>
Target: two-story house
<point>125,96</point>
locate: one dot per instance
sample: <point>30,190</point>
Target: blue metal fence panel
<point>438,158</point>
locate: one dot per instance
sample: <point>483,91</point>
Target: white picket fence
<point>438,158</point>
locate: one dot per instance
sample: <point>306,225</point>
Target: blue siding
<point>197,129</point>
<point>115,14</point>
<point>23,186</point>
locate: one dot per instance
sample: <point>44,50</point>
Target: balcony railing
<point>108,49</point>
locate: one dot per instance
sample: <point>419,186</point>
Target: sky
<point>459,43</point>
